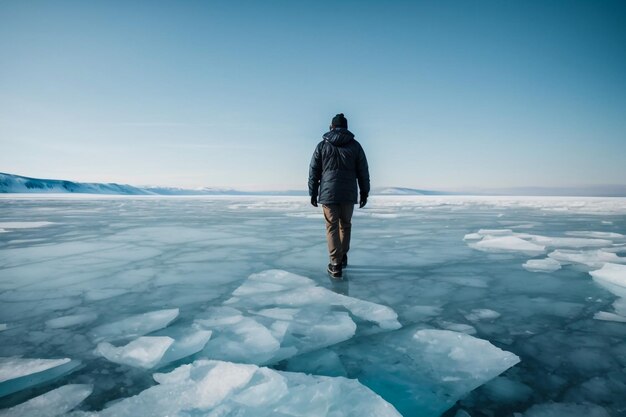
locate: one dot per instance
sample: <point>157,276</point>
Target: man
<point>337,165</point>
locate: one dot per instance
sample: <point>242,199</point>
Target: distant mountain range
<point>10,183</point>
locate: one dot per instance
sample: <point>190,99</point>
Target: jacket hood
<point>339,136</point>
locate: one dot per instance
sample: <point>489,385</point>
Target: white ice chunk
<point>590,258</point>
<point>598,235</point>
<point>495,232</point>
<point>11,368</point>
<point>214,388</point>
<point>275,287</point>
<point>542,265</point>
<point>3,326</point>
<point>51,404</point>
<point>566,242</point>
<point>607,316</point>
<point>458,327</point>
<point>482,314</point>
<point>275,315</point>
<point>134,326</point>
<point>70,321</point>
<point>144,352</point>
<point>23,225</point>
<point>473,236</point>
<point>20,373</point>
<point>508,244</point>
<point>186,345</point>
<point>612,277</point>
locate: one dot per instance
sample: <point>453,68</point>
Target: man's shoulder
<point>356,144</point>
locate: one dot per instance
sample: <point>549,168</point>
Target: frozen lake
<point>489,306</point>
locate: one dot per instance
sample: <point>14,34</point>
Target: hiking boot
<point>334,270</point>
<point>344,261</point>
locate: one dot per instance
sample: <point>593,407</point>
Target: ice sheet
<point>118,258</point>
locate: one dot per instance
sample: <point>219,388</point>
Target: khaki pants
<point>338,226</point>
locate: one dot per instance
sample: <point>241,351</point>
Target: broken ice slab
<point>508,244</point>
<point>542,265</point>
<point>71,320</point>
<point>612,277</point>
<point>51,404</point>
<point>421,372</point>
<point>134,326</point>
<point>156,351</point>
<point>144,352</point>
<point>208,387</point>
<point>17,373</point>
<point>275,315</point>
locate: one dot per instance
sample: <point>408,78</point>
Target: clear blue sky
<point>441,94</point>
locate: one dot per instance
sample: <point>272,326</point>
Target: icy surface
<point>115,269</point>
<point>214,388</point>
<point>51,404</point>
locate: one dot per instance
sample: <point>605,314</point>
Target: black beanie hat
<point>340,121</point>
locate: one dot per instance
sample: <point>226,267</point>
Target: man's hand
<point>363,201</point>
<point>314,201</point>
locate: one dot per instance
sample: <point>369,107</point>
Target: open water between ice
<point>194,306</point>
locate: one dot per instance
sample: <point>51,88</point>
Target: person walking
<point>337,165</point>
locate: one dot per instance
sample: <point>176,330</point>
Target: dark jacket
<point>337,165</point>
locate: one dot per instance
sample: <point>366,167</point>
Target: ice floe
<point>424,372</point>
<point>542,265</point>
<point>23,225</point>
<point>51,404</point>
<point>19,373</point>
<point>134,326</point>
<point>612,277</point>
<point>478,314</point>
<point>508,244</point>
<point>71,320</point>
<point>276,314</point>
<point>216,388</point>
<point>144,352</point>
<point>591,258</point>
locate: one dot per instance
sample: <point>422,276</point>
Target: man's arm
<point>315,173</point>
<point>363,176</point>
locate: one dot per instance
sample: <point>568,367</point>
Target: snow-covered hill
<point>10,183</point>
<point>17,184</point>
